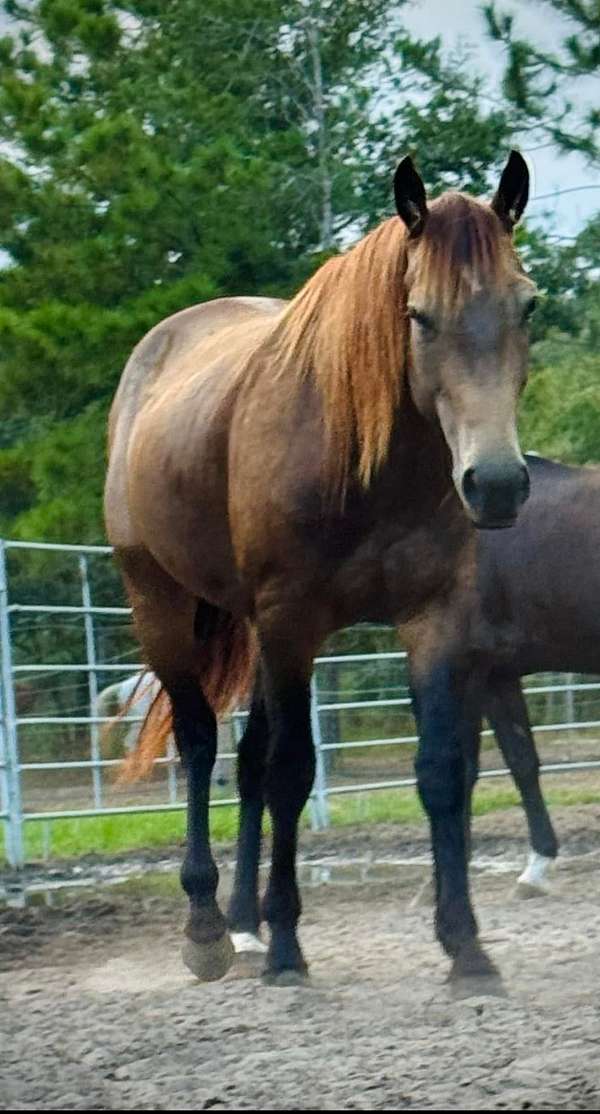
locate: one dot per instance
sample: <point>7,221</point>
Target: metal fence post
<point>570,700</point>
<point>4,796</point>
<point>9,753</point>
<point>90,646</point>
<point>320,810</point>
<point>14,815</point>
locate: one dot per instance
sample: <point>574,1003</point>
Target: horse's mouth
<point>495,524</point>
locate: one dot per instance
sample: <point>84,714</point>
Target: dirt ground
<point>97,1011</point>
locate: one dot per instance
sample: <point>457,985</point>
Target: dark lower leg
<point>243,913</point>
<point>471,747</point>
<point>195,732</point>
<point>440,768</point>
<point>507,713</point>
<point>288,782</point>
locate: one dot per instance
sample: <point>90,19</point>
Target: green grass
<point>108,835</point>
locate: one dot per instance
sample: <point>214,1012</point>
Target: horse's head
<point>468,303</point>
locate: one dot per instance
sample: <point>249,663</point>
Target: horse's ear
<point>511,196</point>
<point>409,192</point>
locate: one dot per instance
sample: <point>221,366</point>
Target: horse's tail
<point>225,669</point>
<point>108,704</point>
<point>114,708</point>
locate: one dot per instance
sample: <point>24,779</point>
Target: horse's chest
<point>390,577</point>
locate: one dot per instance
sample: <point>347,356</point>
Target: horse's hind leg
<point>243,914</point>
<point>506,711</point>
<point>208,951</point>
<point>165,618</point>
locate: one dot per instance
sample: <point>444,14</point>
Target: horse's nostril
<point>469,483</point>
<point>494,490</point>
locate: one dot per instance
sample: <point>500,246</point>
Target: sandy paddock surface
<point>97,1011</point>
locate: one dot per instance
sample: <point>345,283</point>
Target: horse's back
<point>168,350</point>
<point>168,344</point>
<point>542,577</point>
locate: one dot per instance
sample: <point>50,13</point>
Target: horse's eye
<point>422,319</point>
<point>529,308</point>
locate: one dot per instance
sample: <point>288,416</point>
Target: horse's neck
<point>417,473</point>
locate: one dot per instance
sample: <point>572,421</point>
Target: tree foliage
<point>156,153</point>
<point>543,85</point>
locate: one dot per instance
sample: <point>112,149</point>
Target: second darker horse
<point>535,609</point>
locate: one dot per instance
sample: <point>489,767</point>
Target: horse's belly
<point>197,554</point>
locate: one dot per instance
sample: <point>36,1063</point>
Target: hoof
<point>249,958</point>
<point>471,963</point>
<point>477,986</point>
<point>525,891</point>
<point>210,961</point>
<point>247,965</point>
<point>286,978</point>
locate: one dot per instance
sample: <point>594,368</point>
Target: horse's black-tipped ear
<point>510,198</point>
<point>409,192</point>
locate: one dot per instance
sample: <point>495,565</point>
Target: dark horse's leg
<point>441,709</point>
<point>506,711</point>
<point>208,951</point>
<point>471,743</point>
<point>288,781</point>
<point>166,619</point>
<point>471,737</point>
<point>243,914</point>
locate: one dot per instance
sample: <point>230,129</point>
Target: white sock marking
<point>536,870</point>
<point>247,942</point>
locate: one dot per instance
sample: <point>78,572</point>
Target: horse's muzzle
<point>494,492</point>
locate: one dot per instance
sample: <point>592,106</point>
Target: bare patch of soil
<point>97,1011</point>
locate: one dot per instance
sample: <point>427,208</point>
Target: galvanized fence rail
<point>15,813</point>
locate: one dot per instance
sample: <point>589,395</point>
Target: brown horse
<point>279,471</point>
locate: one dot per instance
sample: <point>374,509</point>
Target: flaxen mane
<point>347,329</point>
<point>463,249</point>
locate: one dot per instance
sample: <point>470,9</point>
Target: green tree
<point>157,153</point>
<point>560,415</point>
<point>566,276</point>
<point>540,84</point>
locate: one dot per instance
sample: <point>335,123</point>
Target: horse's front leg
<point>289,777</point>
<point>471,745</point>
<point>441,709</point>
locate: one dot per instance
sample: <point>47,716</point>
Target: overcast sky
<point>460,22</point>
